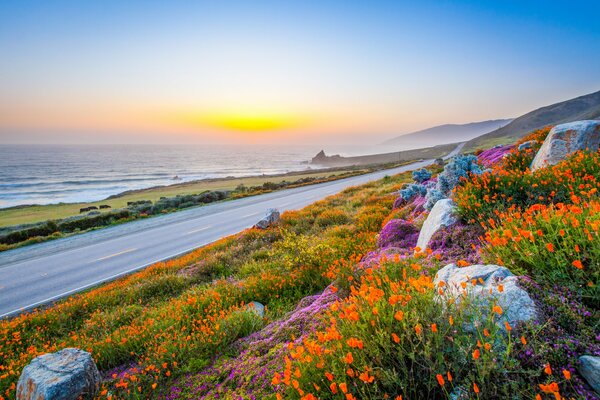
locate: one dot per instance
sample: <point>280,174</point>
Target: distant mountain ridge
<point>447,133</point>
<point>579,108</point>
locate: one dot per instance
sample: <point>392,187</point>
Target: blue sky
<point>324,70</point>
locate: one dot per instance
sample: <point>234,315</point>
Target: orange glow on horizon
<point>244,121</point>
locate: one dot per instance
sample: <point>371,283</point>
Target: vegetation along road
<point>39,274</point>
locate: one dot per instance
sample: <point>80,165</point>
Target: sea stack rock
<point>319,158</point>
<point>65,375</point>
<point>565,139</point>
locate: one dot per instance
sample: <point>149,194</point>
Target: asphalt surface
<point>42,273</point>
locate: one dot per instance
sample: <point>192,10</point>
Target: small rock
<point>459,393</point>
<point>257,308</point>
<point>270,219</point>
<point>589,368</point>
<point>526,145</point>
<point>67,374</point>
<point>516,304</point>
<point>566,139</point>
<point>442,214</point>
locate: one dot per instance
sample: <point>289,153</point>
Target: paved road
<point>38,274</point>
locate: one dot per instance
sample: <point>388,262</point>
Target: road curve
<point>39,274</point>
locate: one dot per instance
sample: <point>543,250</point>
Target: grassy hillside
<point>352,310</point>
<point>175,316</point>
<point>448,133</point>
<point>583,107</point>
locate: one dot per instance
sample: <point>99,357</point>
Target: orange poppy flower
<point>348,359</point>
<point>399,315</point>
<point>523,340</point>
<point>440,379</point>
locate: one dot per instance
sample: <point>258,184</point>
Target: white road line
<point>116,254</point>
<point>197,230</point>
<point>250,215</point>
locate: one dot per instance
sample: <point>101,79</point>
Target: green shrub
<point>556,245</point>
<point>486,196</point>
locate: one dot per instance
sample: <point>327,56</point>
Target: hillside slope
<point>579,108</point>
<point>447,133</point>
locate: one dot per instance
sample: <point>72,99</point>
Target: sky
<point>262,72</point>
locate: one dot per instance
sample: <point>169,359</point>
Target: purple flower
<point>492,156</point>
<point>398,233</point>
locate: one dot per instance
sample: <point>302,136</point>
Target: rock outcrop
<point>442,214</point>
<point>321,158</point>
<point>566,139</point>
<point>493,284</point>
<point>270,219</point>
<point>589,368</point>
<point>68,374</point>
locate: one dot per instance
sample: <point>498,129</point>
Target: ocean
<point>46,174</point>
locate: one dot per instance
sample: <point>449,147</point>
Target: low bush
<point>332,217</point>
<point>484,197</point>
<point>421,175</point>
<point>556,245</point>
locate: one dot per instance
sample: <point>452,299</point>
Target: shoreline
<point>32,214</point>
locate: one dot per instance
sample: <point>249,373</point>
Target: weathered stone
<point>526,145</point>
<point>589,368</point>
<point>270,219</point>
<point>516,304</point>
<point>67,374</point>
<point>566,139</point>
<point>257,308</point>
<point>442,214</point>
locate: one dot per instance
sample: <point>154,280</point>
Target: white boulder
<point>589,368</point>
<point>494,285</point>
<point>442,214</point>
<point>68,374</point>
<point>565,139</point>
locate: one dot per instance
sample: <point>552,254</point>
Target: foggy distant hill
<point>447,133</point>
<point>583,107</point>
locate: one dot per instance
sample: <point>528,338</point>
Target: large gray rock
<point>566,139</point>
<point>495,285</point>
<point>67,374</point>
<point>270,219</point>
<point>589,368</point>
<point>442,214</point>
<point>257,308</point>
